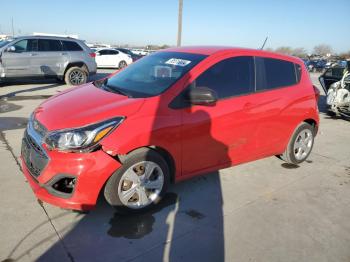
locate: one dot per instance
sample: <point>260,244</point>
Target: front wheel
<point>300,144</point>
<point>139,184</point>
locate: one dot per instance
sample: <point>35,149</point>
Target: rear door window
<point>71,46</point>
<point>113,52</point>
<point>274,73</point>
<point>230,77</point>
<point>104,52</point>
<point>48,45</point>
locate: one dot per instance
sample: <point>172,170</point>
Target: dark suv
<point>63,58</point>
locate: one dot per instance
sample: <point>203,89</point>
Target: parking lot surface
<point>266,210</point>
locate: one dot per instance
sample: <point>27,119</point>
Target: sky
<point>294,23</point>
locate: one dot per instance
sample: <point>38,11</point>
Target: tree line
<point>320,50</point>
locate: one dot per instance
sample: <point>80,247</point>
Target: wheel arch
<point>313,123</point>
<point>160,150</point>
<point>78,64</point>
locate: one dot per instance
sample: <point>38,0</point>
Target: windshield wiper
<point>114,89</point>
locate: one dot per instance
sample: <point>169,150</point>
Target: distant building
<point>4,37</point>
<point>98,45</point>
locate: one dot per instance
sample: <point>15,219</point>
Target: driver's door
<point>330,76</point>
<point>16,59</point>
<point>218,135</point>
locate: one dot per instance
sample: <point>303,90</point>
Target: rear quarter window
<point>71,46</point>
<point>274,73</point>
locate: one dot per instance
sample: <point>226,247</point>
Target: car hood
<point>84,105</point>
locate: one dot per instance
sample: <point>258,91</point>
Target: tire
<point>75,76</point>
<point>300,144</point>
<point>122,64</point>
<point>120,183</point>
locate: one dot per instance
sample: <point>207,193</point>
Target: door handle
<point>63,53</point>
<point>33,54</point>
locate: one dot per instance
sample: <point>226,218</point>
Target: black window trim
<point>175,105</point>
<point>40,39</point>
<point>72,41</point>
<point>278,87</point>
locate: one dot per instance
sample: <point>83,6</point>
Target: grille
<point>33,155</point>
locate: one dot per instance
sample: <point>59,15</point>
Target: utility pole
<point>179,24</point>
<point>13,30</point>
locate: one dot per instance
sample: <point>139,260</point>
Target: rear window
<point>274,73</point>
<point>71,46</point>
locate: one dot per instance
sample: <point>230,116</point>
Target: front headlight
<point>83,138</point>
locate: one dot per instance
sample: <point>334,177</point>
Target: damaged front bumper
<point>67,180</point>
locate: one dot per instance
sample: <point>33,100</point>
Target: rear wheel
<point>300,144</point>
<point>75,76</point>
<point>122,64</point>
<point>139,184</point>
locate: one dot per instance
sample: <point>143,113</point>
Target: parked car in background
<point>173,115</point>
<point>112,58</point>
<point>128,52</point>
<point>336,84</point>
<point>142,52</point>
<point>330,76</point>
<point>62,58</point>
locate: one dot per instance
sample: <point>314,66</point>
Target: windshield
<point>153,74</point>
<point>4,42</point>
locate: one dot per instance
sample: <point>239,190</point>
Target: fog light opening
<point>65,185</point>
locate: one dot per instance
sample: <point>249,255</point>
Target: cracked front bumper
<point>91,170</point>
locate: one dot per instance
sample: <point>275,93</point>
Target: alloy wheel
<point>76,77</point>
<point>141,184</point>
<point>303,144</point>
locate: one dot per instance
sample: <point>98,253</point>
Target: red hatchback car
<point>170,116</point>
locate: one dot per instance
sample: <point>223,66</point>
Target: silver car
<point>63,58</point>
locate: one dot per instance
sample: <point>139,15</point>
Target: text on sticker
<point>178,62</point>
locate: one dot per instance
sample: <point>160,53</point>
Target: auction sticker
<point>178,62</point>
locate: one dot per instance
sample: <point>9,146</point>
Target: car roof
<point>210,50</point>
<point>47,37</point>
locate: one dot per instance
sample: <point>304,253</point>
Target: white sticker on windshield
<point>178,62</point>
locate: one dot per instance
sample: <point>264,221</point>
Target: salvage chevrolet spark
<point>170,116</point>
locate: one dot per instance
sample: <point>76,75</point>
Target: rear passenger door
<point>113,58</point>
<point>275,103</point>
<point>102,58</point>
<point>218,135</point>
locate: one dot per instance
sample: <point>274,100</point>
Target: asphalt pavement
<point>260,211</point>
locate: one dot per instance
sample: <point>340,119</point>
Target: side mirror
<point>98,54</point>
<point>11,49</point>
<point>201,96</point>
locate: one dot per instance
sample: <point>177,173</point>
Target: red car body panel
<point>235,130</point>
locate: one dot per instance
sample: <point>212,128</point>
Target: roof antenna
<point>264,43</point>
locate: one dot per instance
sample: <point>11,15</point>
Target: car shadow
<point>175,230</point>
<point>51,84</point>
